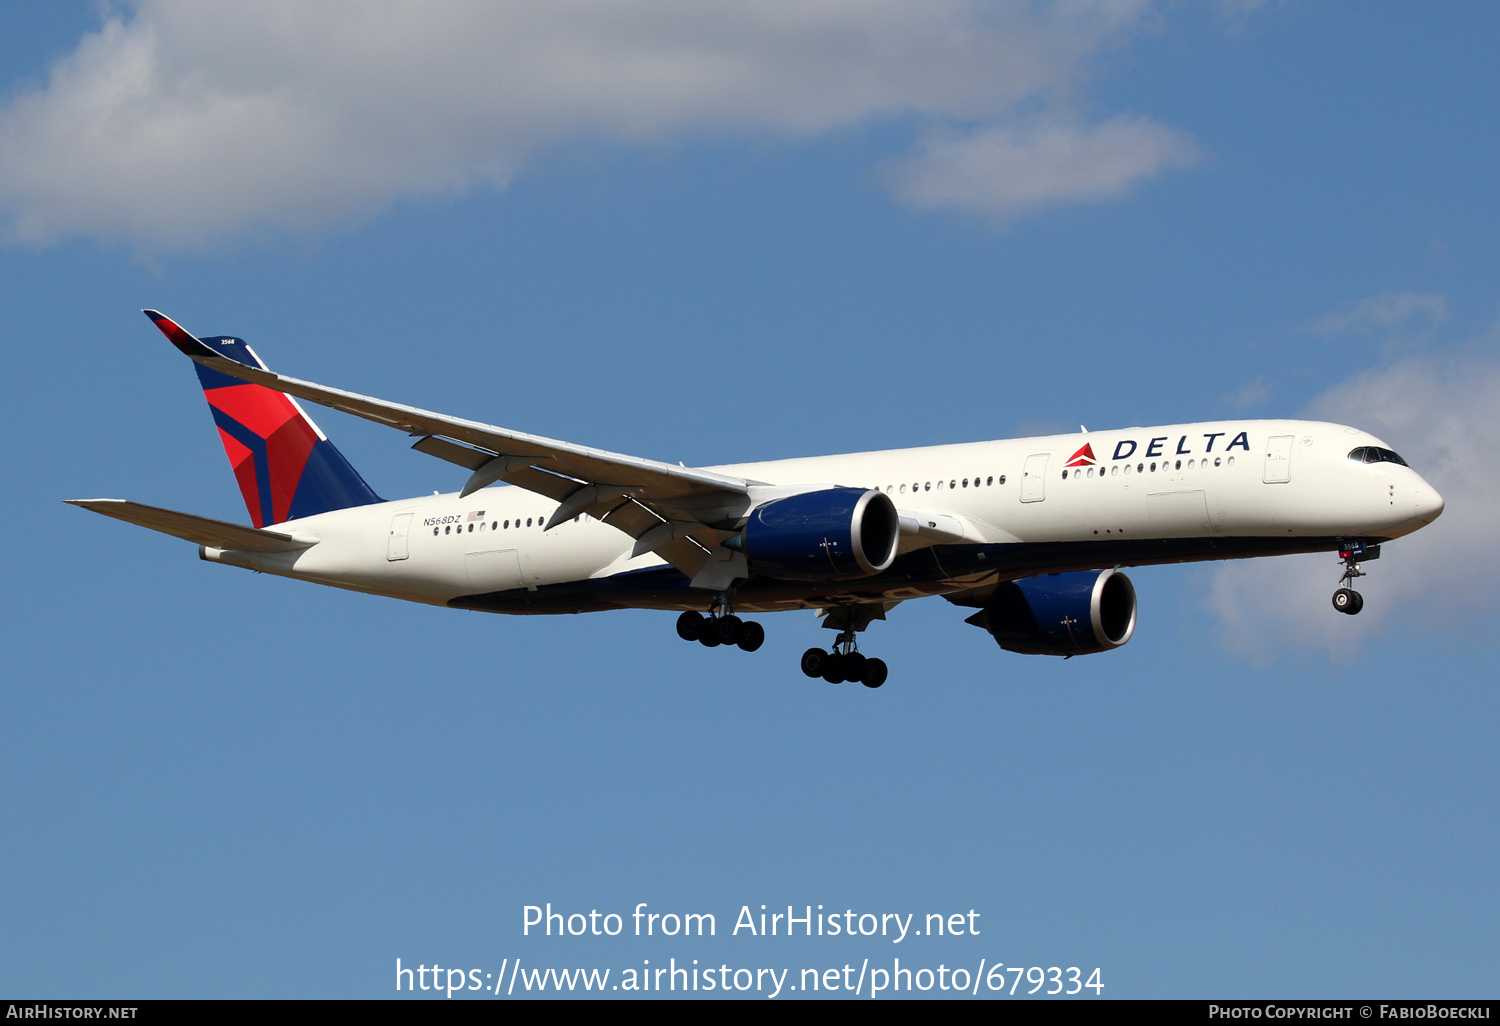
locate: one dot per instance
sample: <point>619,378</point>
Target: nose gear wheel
<point>1346,599</point>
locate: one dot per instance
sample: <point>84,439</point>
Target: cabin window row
<point>493,525</point>
<point>953,484</point>
<point>1144,468</point>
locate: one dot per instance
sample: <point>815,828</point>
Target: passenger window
<point>1190,464</point>
<point>903,489</point>
<point>927,487</point>
<point>1065,475</point>
<point>1002,478</point>
<point>1091,472</point>
<point>989,481</point>
<point>966,482</point>
<point>953,483</point>
<point>1178,465</point>
<point>1153,468</point>
<point>1230,461</point>
<point>434,532</point>
<point>940,486</point>
<point>1218,462</point>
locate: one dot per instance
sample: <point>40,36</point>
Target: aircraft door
<point>1278,459</point>
<point>1034,477</point>
<point>396,544</point>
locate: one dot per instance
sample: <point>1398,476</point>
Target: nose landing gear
<point>1346,599</point>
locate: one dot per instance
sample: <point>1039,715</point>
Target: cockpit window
<point>1375,454</point>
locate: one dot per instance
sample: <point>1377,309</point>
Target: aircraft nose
<point>1429,503</point>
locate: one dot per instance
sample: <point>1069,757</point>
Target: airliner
<point>1030,533</point>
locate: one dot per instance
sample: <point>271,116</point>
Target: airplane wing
<point>218,534</point>
<point>668,509</point>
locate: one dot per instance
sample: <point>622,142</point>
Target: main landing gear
<point>712,631</point>
<point>844,663</point>
<point>1346,599</point>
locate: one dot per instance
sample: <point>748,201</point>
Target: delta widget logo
<point>1083,457</point>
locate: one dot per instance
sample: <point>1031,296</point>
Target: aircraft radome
<point>1031,533</point>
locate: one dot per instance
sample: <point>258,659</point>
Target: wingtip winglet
<point>177,335</point>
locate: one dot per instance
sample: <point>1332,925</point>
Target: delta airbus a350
<point>1030,532</point>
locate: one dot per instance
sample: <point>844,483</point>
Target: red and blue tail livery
<point>286,467</point>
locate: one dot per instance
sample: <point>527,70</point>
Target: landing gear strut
<point>1346,599</point>
<point>845,662</point>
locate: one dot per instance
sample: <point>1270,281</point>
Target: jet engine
<point>826,535</point>
<point>1061,614</point>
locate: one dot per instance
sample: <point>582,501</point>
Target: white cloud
<point>1442,413</point>
<point>1251,394</point>
<point>1385,312</point>
<point>180,121</point>
<point>1003,171</point>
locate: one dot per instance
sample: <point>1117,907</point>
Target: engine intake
<point>827,535</point>
<point>1061,614</point>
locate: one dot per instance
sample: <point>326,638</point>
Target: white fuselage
<point>1149,495</point>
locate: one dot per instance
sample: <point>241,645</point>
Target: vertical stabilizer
<point>286,467</point>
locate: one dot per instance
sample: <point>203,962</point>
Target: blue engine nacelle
<point>827,535</point>
<point>1061,614</point>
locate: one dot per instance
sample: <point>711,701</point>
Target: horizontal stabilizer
<point>217,534</point>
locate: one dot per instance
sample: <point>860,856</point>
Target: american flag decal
<point>477,514</point>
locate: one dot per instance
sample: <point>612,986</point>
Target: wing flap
<point>460,455</point>
<point>218,534</point>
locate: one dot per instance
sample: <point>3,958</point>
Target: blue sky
<point>714,235</point>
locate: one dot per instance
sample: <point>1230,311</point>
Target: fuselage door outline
<point>396,548</point>
<point>1034,477</point>
<point>1278,459</point>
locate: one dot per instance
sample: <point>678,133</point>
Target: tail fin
<point>286,467</point>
